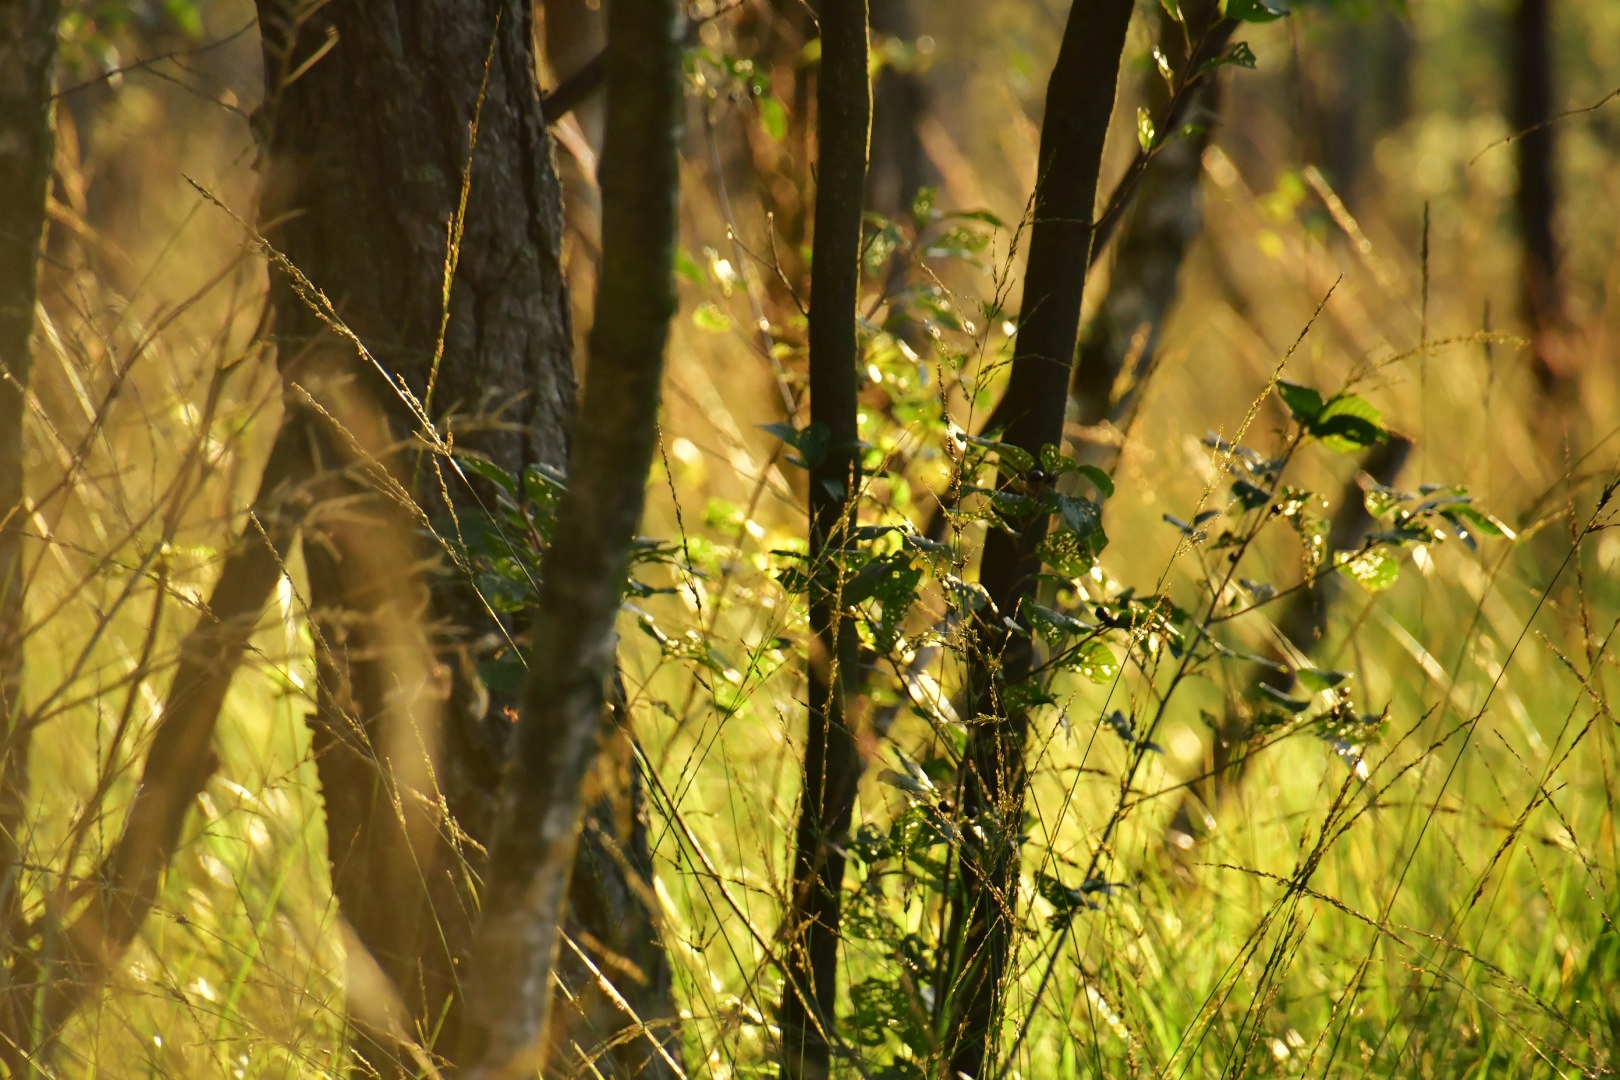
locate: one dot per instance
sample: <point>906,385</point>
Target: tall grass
<point>1450,913</point>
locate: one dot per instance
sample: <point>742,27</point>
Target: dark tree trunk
<point>367,129</point>
<point>1536,199</point>
<point>832,763</point>
<point>978,950</point>
<point>560,728</point>
<point>1166,217</point>
<point>27,56</point>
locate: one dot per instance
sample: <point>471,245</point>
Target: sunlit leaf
<point>1374,570</point>
<point>772,116</point>
<point>1095,661</point>
<point>1348,423</point>
<point>709,316</point>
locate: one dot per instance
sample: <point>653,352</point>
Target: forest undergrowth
<point>1323,746</point>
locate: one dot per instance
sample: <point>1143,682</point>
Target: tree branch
<point>562,715</point>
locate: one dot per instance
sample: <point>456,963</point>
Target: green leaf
<point>1099,479</point>
<point>1051,624</point>
<point>1095,661</point>
<point>1348,423</point>
<point>1144,129</point>
<point>1478,522</point>
<point>866,582</point>
<point>772,116</point>
<point>983,217</point>
<point>709,316</point>
<point>489,471</point>
<point>1057,463</point>
<point>1317,681</point>
<point>1081,515</point>
<point>1072,554</point>
<point>1013,458</point>
<point>1249,496</point>
<point>1026,695</point>
<point>1239,55</point>
<point>1374,570</point>
<point>922,205</point>
<point>811,441</point>
<point>1254,11</point>
<point>1381,501</point>
<point>686,267</point>
<point>966,595</point>
<point>1302,401</point>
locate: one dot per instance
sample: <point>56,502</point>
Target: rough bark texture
<point>980,937</point>
<point>367,136</point>
<point>832,762</point>
<point>561,728</point>
<point>27,54</point>
<point>1166,218</point>
<point>1536,198</point>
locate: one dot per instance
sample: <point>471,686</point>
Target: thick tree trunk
<point>560,728</point>
<point>405,144</point>
<point>27,55</point>
<point>978,950</point>
<point>831,763</point>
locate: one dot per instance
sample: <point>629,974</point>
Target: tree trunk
<point>1166,217</point>
<point>1536,198</point>
<point>560,727</point>
<point>380,119</point>
<point>978,950</point>
<point>831,763</point>
<point>900,167</point>
<point>27,56</point>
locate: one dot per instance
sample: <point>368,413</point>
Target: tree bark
<point>1166,217</point>
<point>979,945</point>
<point>560,728</point>
<point>406,146</point>
<point>1536,197</point>
<point>832,763</point>
<point>27,59</point>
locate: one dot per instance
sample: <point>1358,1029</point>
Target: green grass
<point>1452,916</point>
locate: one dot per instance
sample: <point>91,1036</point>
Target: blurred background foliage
<point>1462,926</point>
